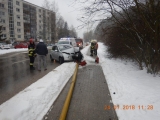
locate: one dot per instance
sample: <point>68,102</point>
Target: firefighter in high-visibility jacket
<point>92,48</point>
<point>31,53</point>
<point>96,48</point>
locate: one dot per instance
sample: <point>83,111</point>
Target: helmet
<point>31,40</point>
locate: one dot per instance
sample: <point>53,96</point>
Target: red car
<point>21,45</point>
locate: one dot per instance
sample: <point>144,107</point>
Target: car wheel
<point>61,60</point>
<point>51,58</point>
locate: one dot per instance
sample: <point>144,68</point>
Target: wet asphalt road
<point>15,74</point>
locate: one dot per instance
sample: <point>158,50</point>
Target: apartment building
<point>22,20</point>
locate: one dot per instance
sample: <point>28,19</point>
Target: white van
<point>70,41</point>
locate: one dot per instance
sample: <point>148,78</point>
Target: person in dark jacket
<point>42,51</point>
<point>31,53</point>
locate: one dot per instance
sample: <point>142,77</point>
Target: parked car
<point>69,41</point>
<point>21,45</point>
<point>63,52</point>
<point>79,42</point>
<point>4,46</point>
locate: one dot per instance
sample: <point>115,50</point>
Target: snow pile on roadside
<point>34,101</point>
<point>135,91</point>
<point>12,50</point>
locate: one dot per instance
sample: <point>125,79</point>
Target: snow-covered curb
<point>12,50</point>
<point>38,97</point>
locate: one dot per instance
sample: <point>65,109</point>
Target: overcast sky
<point>67,10</point>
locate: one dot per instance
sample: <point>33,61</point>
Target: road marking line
<point>20,61</point>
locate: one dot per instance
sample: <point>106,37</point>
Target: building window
<point>1,5</point>
<point>18,16</point>
<point>40,16</point>
<point>17,9</point>
<point>39,27</point>
<point>19,36</point>
<point>18,30</point>
<point>39,21</point>
<point>3,35</point>
<point>3,21</point>
<point>3,28</point>
<point>2,13</point>
<point>11,25</point>
<point>17,3</point>
<point>39,10</point>
<point>18,24</point>
<point>11,35</point>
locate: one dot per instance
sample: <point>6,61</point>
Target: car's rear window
<point>64,47</point>
<point>63,42</point>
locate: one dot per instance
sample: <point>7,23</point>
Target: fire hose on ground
<point>69,95</point>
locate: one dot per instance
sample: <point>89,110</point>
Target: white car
<point>4,46</point>
<point>62,52</point>
<point>68,41</point>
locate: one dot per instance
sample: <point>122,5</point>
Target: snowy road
<point>15,74</point>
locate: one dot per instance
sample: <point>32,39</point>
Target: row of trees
<point>89,35</point>
<point>63,30</point>
<point>131,30</point>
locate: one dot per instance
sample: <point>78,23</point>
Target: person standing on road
<point>92,48</point>
<point>31,53</point>
<point>96,48</point>
<point>42,51</point>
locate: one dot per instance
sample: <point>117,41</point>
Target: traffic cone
<point>83,63</point>
<point>97,59</point>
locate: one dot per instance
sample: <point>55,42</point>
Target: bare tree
<point>88,36</point>
<point>72,32</point>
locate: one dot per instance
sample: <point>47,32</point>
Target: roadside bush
<point>135,34</point>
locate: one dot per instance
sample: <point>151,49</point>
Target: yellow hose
<point>68,98</point>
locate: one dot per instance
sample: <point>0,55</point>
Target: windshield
<point>63,42</point>
<point>64,47</point>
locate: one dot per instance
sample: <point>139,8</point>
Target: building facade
<point>22,20</point>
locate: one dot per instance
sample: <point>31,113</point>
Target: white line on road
<point>20,61</point>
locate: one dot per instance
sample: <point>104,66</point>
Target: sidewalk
<point>90,99</point>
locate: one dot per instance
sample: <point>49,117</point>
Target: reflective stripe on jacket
<point>31,50</point>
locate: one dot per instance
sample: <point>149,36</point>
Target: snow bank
<point>133,90</point>
<point>34,101</point>
<point>12,50</point>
